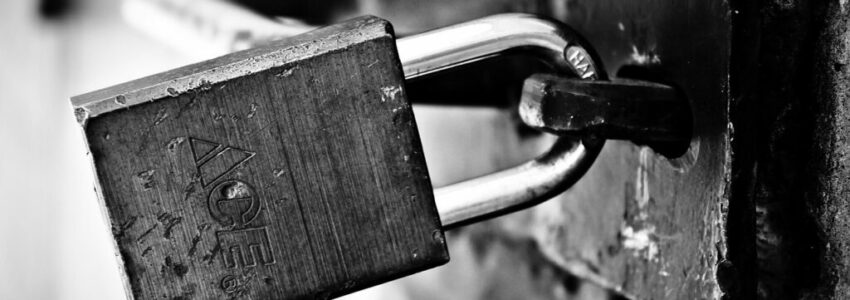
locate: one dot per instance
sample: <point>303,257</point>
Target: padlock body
<point>283,172</point>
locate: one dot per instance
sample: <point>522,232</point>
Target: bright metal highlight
<point>460,44</point>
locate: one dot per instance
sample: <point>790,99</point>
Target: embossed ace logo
<point>234,204</point>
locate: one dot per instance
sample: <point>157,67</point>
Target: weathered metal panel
<point>639,222</point>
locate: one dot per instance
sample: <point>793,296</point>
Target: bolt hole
<point>654,73</point>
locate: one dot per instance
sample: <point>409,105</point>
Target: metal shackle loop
<point>541,178</point>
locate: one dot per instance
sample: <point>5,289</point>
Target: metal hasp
<point>640,111</point>
<point>640,223</point>
<point>535,181</point>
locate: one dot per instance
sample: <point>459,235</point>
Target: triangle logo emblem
<point>202,149</point>
<point>214,160</point>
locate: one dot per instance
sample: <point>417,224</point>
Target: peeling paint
<point>390,93</point>
<point>642,242</point>
<point>160,117</point>
<point>645,58</point>
<point>286,72</point>
<point>638,235</point>
<point>82,115</point>
<point>173,143</point>
<point>642,181</point>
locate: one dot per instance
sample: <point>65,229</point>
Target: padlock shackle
<point>468,42</point>
<point>532,182</point>
<point>519,187</point>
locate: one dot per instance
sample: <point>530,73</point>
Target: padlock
<point>295,170</point>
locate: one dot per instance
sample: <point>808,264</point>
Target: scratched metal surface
<point>288,181</point>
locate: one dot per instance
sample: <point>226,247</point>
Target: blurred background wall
<point>53,241</point>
